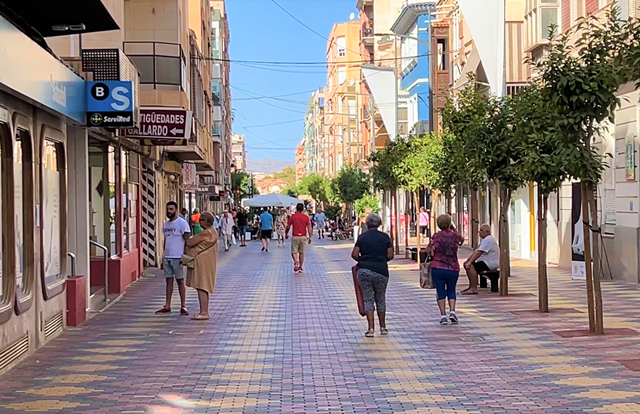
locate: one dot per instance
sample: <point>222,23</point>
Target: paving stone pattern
<point>285,343</point>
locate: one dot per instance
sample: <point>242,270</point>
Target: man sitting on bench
<point>485,258</point>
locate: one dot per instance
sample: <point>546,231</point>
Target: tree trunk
<point>505,264</point>
<point>435,200</point>
<point>543,285</point>
<point>587,255</point>
<point>597,274</point>
<point>396,224</point>
<point>475,218</point>
<point>415,202</point>
<point>391,224</point>
<point>448,206</point>
<point>405,213</point>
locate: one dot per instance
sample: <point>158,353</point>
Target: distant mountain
<point>267,165</point>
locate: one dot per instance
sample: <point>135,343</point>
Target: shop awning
<point>469,68</point>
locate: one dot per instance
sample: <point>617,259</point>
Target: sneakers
<point>453,318</point>
<point>444,320</point>
<point>296,266</point>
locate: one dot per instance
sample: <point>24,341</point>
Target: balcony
<point>363,3</point>
<point>367,33</point>
<point>216,131</point>
<point>161,65</point>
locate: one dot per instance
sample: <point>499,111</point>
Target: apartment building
<point>221,89</point>
<point>341,96</point>
<point>239,151</point>
<point>314,140</point>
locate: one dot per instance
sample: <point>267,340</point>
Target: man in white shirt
<point>176,232</point>
<point>320,222</point>
<point>485,258</point>
<point>226,229</point>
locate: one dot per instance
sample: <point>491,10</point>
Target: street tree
<point>240,185</point>
<point>465,118</point>
<point>350,185</point>
<point>367,202</point>
<point>318,187</point>
<point>384,179</point>
<point>547,159</point>
<point>417,168</point>
<point>581,75</point>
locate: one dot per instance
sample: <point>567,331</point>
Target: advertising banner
<point>189,177</point>
<point>577,234</point>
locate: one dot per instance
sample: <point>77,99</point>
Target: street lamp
<point>429,44</point>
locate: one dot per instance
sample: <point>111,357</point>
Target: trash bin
<point>423,254</point>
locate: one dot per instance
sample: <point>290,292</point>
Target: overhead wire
<point>277,96</point>
<point>311,63</point>
<point>275,123</point>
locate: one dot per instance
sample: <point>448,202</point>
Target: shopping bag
<point>359,295</point>
<point>233,239</point>
<point>425,276</point>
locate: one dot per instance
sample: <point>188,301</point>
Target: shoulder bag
<point>190,261</point>
<point>425,274</point>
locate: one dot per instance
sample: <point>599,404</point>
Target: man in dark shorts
<point>485,258</point>
<point>266,228</point>
<point>242,227</point>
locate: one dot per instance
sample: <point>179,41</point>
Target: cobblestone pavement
<point>285,343</point>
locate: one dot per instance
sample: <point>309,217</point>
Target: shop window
<point>3,280</point>
<point>114,249</point>
<point>53,164</point>
<point>124,165</point>
<point>97,198</point>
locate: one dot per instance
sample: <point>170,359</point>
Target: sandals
<point>369,334</point>
<point>468,292</point>
<point>200,317</point>
<point>184,311</point>
<point>163,311</point>
<point>384,331</point>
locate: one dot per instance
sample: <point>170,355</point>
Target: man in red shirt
<point>301,236</point>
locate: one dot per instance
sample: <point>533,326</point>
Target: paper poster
<point>577,234</point>
<point>52,267</point>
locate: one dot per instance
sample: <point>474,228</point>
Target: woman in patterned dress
<point>281,225</point>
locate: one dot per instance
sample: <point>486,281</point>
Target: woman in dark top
<point>372,251</point>
<point>445,268</point>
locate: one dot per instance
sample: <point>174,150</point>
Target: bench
<point>493,276</point>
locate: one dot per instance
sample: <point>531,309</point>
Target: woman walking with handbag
<point>445,267</point>
<point>372,251</point>
<point>201,262</point>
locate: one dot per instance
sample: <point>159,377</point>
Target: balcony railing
<point>367,30</point>
<point>159,63</point>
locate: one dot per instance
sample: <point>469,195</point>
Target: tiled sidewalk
<point>288,343</point>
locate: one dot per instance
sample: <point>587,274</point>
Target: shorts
<point>425,231</point>
<point>265,234</point>
<point>172,268</point>
<point>299,244</point>
<point>242,230</point>
<point>481,267</point>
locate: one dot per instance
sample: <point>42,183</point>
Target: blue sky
<point>260,31</point>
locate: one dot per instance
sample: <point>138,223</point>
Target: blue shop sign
<point>25,67</point>
<point>109,104</point>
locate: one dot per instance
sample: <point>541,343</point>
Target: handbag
<point>426,282</point>
<point>190,261</point>
<point>358,289</point>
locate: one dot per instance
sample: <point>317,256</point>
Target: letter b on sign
<point>100,91</point>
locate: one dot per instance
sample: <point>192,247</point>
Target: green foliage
<point>368,201</point>
<point>293,191</point>
<point>288,175</point>
<point>240,181</point>
<point>448,163</point>
<point>417,167</point>
<point>383,163</point>
<point>467,120</point>
<point>548,157</point>
<point>333,211</point>
<point>350,184</point>
<point>317,186</point>
<point>579,79</point>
